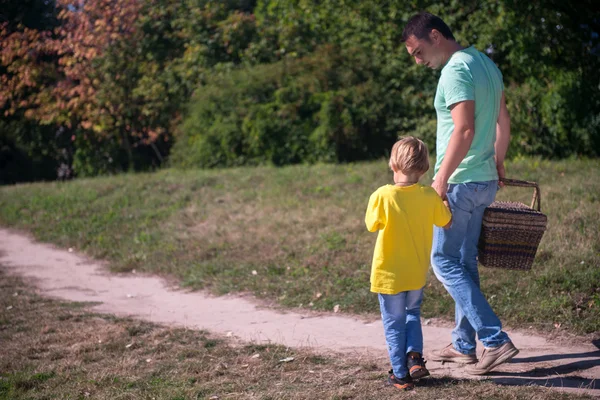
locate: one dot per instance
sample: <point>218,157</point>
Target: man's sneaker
<point>405,383</point>
<point>492,357</point>
<point>449,354</point>
<point>416,366</point>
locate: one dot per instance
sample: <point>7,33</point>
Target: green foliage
<point>550,66</point>
<point>295,81</point>
<point>148,81</point>
<point>556,119</point>
<point>126,90</point>
<point>323,107</point>
<point>375,93</point>
<point>97,157</point>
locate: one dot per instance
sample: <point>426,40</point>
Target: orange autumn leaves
<point>53,76</point>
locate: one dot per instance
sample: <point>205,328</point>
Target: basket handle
<point>537,197</point>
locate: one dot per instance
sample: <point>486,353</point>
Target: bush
<point>327,107</point>
<point>555,119</point>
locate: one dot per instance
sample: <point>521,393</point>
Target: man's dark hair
<point>422,24</point>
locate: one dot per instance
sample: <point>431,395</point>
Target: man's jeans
<point>454,261</point>
<point>401,316</point>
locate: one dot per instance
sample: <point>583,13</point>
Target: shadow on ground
<point>556,376</point>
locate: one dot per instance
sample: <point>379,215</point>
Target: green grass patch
<point>296,235</point>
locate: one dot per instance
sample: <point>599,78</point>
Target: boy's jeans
<point>454,261</point>
<point>401,316</point>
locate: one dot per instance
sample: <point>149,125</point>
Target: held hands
<point>441,187</point>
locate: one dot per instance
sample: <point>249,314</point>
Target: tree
<point>28,65</point>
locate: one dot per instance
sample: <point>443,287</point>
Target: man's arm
<point>463,116</point>
<point>502,137</point>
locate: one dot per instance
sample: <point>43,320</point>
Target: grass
<point>57,350</point>
<point>296,235</point>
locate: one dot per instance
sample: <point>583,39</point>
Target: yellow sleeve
<point>375,215</point>
<point>441,213</point>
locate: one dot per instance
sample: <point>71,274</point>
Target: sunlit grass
<point>301,230</point>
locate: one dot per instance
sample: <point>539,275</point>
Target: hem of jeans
<point>463,352</point>
<point>398,375</point>
<point>414,349</point>
<point>498,345</point>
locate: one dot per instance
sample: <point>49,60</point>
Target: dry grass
<point>58,350</point>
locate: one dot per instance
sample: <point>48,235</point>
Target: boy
<point>404,215</point>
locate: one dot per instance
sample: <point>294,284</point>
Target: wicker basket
<point>511,231</point>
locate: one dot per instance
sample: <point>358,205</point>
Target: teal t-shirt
<point>470,75</point>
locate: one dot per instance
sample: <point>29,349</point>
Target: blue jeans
<point>454,262</point>
<point>401,315</point>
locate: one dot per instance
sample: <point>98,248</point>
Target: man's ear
<point>435,36</point>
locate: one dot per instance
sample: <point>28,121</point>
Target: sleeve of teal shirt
<point>457,83</point>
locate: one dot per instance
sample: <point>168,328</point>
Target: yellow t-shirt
<point>404,216</point>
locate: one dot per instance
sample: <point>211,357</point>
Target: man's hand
<point>501,174</point>
<point>441,188</point>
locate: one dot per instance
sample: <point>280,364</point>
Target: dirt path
<point>67,275</point>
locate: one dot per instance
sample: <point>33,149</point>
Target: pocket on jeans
<point>477,186</point>
<point>468,196</point>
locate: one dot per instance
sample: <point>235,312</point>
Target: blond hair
<point>410,156</point>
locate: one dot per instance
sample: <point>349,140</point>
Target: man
<point>473,132</point>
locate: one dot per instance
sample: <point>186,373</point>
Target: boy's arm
<point>449,224</point>
<point>442,216</point>
<point>373,217</point>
